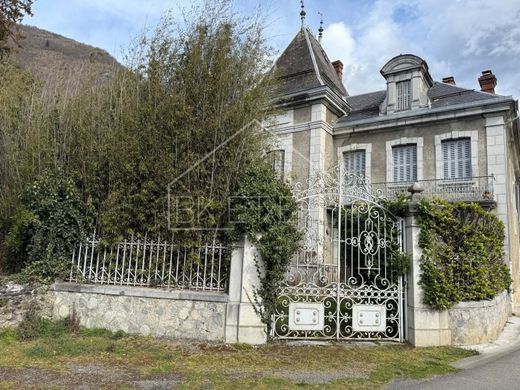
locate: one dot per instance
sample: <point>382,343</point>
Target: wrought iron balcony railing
<point>474,189</point>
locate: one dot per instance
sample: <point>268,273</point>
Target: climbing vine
<point>463,255</point>
<point>265,210</point>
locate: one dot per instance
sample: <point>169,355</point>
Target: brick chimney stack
<point>488,82</point>
<point>338,67</point>
<point>449,80</point>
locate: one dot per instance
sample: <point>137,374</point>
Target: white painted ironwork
<point>150,263</point>
<point>474,189</point>
<point>350,241</point>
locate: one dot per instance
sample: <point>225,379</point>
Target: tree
<point>188,88</point>
<point>11,13</point>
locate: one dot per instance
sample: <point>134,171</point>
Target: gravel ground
<point>95,376</point>
<point>86,377</point>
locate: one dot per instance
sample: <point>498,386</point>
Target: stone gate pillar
<point>243,324</point>
<point>425,326</point>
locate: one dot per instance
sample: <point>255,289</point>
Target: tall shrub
<point>463,253</point>
<point>48,224</point>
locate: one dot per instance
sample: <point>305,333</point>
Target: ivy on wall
<point>463,253</point>
<point>265,210</point>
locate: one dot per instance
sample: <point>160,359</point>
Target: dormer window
<point>407,83</point>
<point>404,95</point>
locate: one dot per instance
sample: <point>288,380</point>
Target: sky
<point>458,38</point>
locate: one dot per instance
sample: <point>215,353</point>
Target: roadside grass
<point>278,365</point>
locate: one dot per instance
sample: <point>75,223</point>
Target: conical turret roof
<point>305,65</point>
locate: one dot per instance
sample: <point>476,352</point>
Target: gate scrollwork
<point>343,271</point>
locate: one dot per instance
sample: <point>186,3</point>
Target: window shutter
<point>404,95</point>
<point>396,164</point>
<point>456,156</point>
<point>355,162</point>
<point>405,163</point>
<point>467,157</point>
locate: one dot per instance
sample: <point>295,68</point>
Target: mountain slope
<point>62,64</point>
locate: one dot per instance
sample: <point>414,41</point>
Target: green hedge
<point>463,253</point>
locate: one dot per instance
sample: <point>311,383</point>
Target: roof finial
<point>320,30</point>
<point>303,13</point>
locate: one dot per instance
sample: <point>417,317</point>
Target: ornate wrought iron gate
<point>342,285</point>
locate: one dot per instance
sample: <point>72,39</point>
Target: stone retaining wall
<point>16,300</point>
<point>159,313</point>
<point>479,322</point>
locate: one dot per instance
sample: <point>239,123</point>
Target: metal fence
<point>149,263</point>
<point>479,188</point>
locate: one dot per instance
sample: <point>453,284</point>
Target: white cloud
<point>338,41</point>
<point>459,38</point>
<point>456,37</point>
<point>475,35</point>
<point>376,39</point>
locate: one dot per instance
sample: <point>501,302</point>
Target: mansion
<point>457,143</point>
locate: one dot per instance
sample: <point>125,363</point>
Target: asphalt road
<point>498,374</point>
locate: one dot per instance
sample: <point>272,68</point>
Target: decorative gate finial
<point>320,30</point>
<point>303,13</point>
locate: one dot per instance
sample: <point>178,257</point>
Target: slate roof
<point>365,105</point>
<point>441,95</point>
<point>299,71</point>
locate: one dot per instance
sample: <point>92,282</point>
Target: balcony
<point>473,189</point>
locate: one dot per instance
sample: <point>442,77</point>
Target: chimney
<point>338,67</point>
<point>488,82</point>
<point>449,80</point>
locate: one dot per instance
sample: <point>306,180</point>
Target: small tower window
<point>276,159</point>
<point>404,95</point>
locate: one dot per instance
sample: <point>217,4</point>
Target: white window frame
<point>439,160</point>
<point>355,147</point>
<point>390,160</point>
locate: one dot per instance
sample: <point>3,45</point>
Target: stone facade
<point>427,137</point>
<point>147,312</point>
<point>320,122</point>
